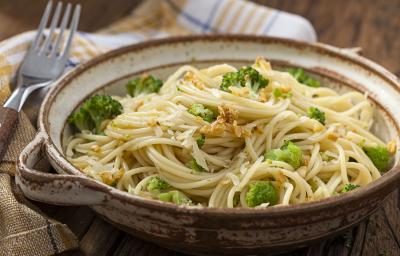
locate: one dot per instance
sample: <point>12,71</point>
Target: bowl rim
<point>387,181</point>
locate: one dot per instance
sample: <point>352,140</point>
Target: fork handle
<point>8,121</point>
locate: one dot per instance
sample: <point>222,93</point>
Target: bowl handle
<point>60,189</point>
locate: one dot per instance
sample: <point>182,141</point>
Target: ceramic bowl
<point>209,230</point>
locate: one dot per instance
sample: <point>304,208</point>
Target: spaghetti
<point>279,144</point>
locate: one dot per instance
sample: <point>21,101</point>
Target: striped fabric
<point>169,17</point>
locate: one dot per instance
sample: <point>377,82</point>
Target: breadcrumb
<point>240,91</point>
<point>391,147</point>
<point>227,114</point>
<point>152,122</point>
<point>263,63</point>
<point>214,129</point>
<point>263,94</point>
<point>190,77</point>
<point>95,148</point>
<point>333,136</point>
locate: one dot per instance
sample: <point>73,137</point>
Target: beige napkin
<point>24,230</point>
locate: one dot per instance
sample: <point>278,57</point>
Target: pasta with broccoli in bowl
<point>213,141</point>
<point>227,137</point>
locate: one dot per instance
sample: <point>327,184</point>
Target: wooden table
<point>372,25</point>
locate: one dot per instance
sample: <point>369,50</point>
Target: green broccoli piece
<point>379,156</point>
<point>302,77</point>
<point>277,92</point>
<point>102,107</point>
<point>201,140</point>
<point>180,198</point>
<point>175,197</point>
<point>316,114</point>
<point>289,153</point>
<point>349,187</point>
<point>81,120</point>
<point>203,112</point>
<point>156,185</point>
<point>245,77</point>
<point>261,192</point>
<point>166,197</point>
<point>230,79</point>
<point>144,85</point>
<point>195,166</point>
<point>94,111</point>
<point>251,76</point>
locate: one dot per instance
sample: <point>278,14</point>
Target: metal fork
<point>44,63</point>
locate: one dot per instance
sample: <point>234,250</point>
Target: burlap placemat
<point>24,229</point>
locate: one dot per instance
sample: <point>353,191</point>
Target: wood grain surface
<point>370,24</point>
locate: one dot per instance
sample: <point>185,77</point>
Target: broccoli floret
<point>175,197</point>
<point>302,77</point>
<point>203,112</point>
<point>195,166</point>
<point>102,107</point>
<point>230,79</point>
<point>289,153</point>
<point>245,77</point>
<point>166,197</point>
<point>316,114</point>
<point>144,85</point>
<point>379,156</point>
<point>94,111</point>
<point>349,187</point>
<point>277,92</point>
<point>251,76</point>
<point>201,140</point>
<point>81,120</point>
<point>156,185</point>
<point>261,192</point>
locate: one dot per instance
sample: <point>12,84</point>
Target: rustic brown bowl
<point>209,230</point>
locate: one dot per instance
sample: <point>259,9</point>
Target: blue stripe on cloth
<point>190,18</point>
<point>271,22</point>
<point>210,18</point>
<point>71,63</point>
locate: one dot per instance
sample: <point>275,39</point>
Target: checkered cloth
<point>24,230</point>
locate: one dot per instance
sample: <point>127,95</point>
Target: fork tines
<point>48,41</point>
